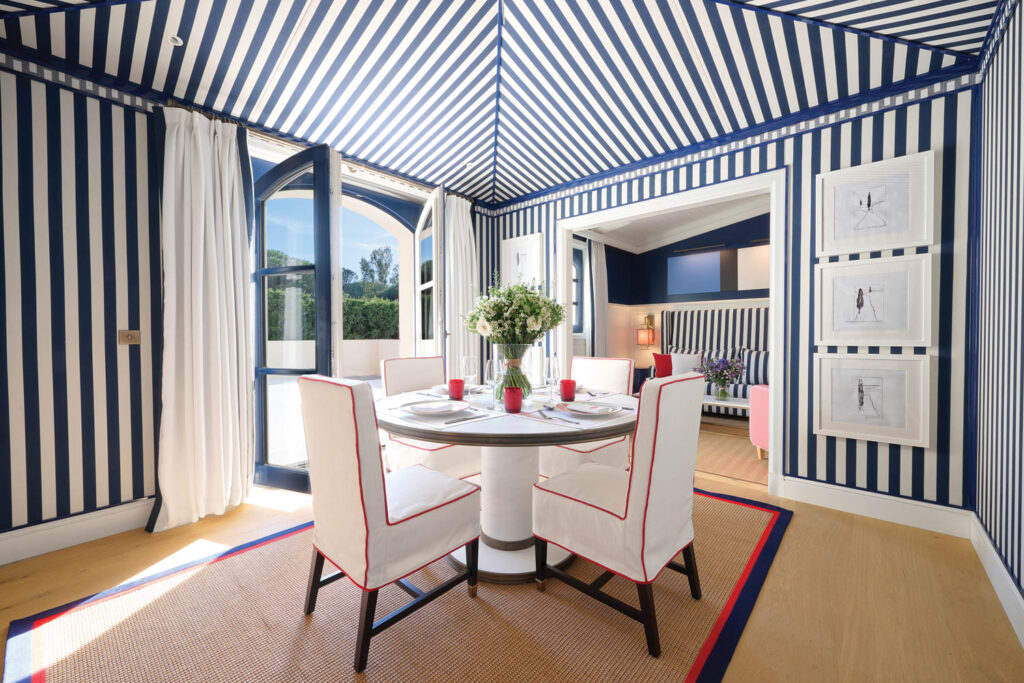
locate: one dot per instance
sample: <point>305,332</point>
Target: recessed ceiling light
<point>175,41</point>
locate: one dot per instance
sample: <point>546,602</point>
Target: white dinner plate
<point>436,407</point>
<point>592,408</point>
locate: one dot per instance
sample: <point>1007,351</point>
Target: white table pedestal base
<point>507,477</point>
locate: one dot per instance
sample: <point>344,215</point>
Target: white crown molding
<point>63,533</point>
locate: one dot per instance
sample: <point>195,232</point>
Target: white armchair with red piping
<point>401,375</point>
<point>599,375</point>
<point>376,528</point>
<point>632,523</point>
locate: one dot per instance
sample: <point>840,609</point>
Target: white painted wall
<point>362,357</point>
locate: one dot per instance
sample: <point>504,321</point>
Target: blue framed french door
<point>293,307</point>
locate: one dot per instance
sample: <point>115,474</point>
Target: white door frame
<point>771,182</point>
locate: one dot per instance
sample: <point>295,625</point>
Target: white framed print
<point>884,398</point>
<point>875,302</point>
<point>884,205</point>
<point>522,259</point>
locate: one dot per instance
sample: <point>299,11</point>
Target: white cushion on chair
<point>416,489</point>
<point>634,522</point>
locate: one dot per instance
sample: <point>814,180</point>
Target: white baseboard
<point>1006,590</point>
<point>63,533</point>
<point>939,518</point>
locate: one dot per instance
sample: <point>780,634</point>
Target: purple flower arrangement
<point>721,371</point>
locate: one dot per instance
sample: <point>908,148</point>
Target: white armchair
<point>377,528</point>
<point>593,374</point>
<point>631,523</point>
<point>400,375</point>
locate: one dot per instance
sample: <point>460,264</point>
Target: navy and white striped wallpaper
<point>81,255</point>
<point>1000,292</point>
<point>706,329</point>
<point>939,118</point>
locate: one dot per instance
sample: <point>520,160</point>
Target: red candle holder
<point>456,387</point>
<point>568,389</point>
<point>513,399</point>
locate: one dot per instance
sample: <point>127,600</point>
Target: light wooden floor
<point>848,598</point>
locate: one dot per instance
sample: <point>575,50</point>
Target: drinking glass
<point>552,373</point>
<point>492,373</point>
<point>469,368</point>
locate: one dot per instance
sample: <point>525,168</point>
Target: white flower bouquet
<point>514,317</point>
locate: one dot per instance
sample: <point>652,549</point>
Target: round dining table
<point>509,466</point>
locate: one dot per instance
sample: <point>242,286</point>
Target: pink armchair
<point>759,418</point>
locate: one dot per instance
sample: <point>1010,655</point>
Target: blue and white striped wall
<point>1000,357</point>
<point>81,256</point>
<point>939,118</point>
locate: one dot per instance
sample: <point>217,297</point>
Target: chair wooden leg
<point>316,568</point>
<point>650,621</point>
<point>760,453</point>
<point>691,571</point>
<point>367,607</point>
<point>540,551</point>
<point>472,558</point>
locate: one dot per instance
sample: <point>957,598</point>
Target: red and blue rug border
<point>712,660</point>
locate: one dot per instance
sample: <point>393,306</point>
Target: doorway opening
<point>708,264</point>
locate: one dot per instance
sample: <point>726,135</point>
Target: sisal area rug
<point>238,617</point>
<point>731,456</point>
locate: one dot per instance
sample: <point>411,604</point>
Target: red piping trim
<point>592,450</point>
<point>578,554</point>
<point>349,576</point>
<point>420,448</point>
<point>476,489</point>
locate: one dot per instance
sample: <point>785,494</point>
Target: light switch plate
<point>129,337</point>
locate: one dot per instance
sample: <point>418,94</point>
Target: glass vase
<point>723,393</point>
<point>514,374</point>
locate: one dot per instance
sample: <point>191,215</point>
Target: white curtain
<point>599,282</point>
<point>206,455</point>
<point>462,282</point>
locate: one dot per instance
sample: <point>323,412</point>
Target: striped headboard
<point>706,329</point>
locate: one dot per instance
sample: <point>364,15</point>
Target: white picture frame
<point>876,302</point>
<point>883,205</point>
<point>869,397</point>
<point>522,259</point>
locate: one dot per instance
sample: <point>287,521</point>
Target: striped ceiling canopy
<point>498,99</point>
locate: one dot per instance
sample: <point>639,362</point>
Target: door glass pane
<point>290,315</point>
<point>426,259</point>
<point>286,440</point>
<point>288,225</point>
<point>427,313</point>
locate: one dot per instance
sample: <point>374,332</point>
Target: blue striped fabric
<point>949,25</point>
<point>20,8</point>
<point>81,254</point>
<point>935,117</point>
<point>493,99</point>
<point>723,331</point>
<point>999,393</point>
<point>755,366</point>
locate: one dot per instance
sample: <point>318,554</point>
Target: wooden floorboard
<point>848,598</point>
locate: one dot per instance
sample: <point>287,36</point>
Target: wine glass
<point>469,368</point>
<point>552,373</point>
